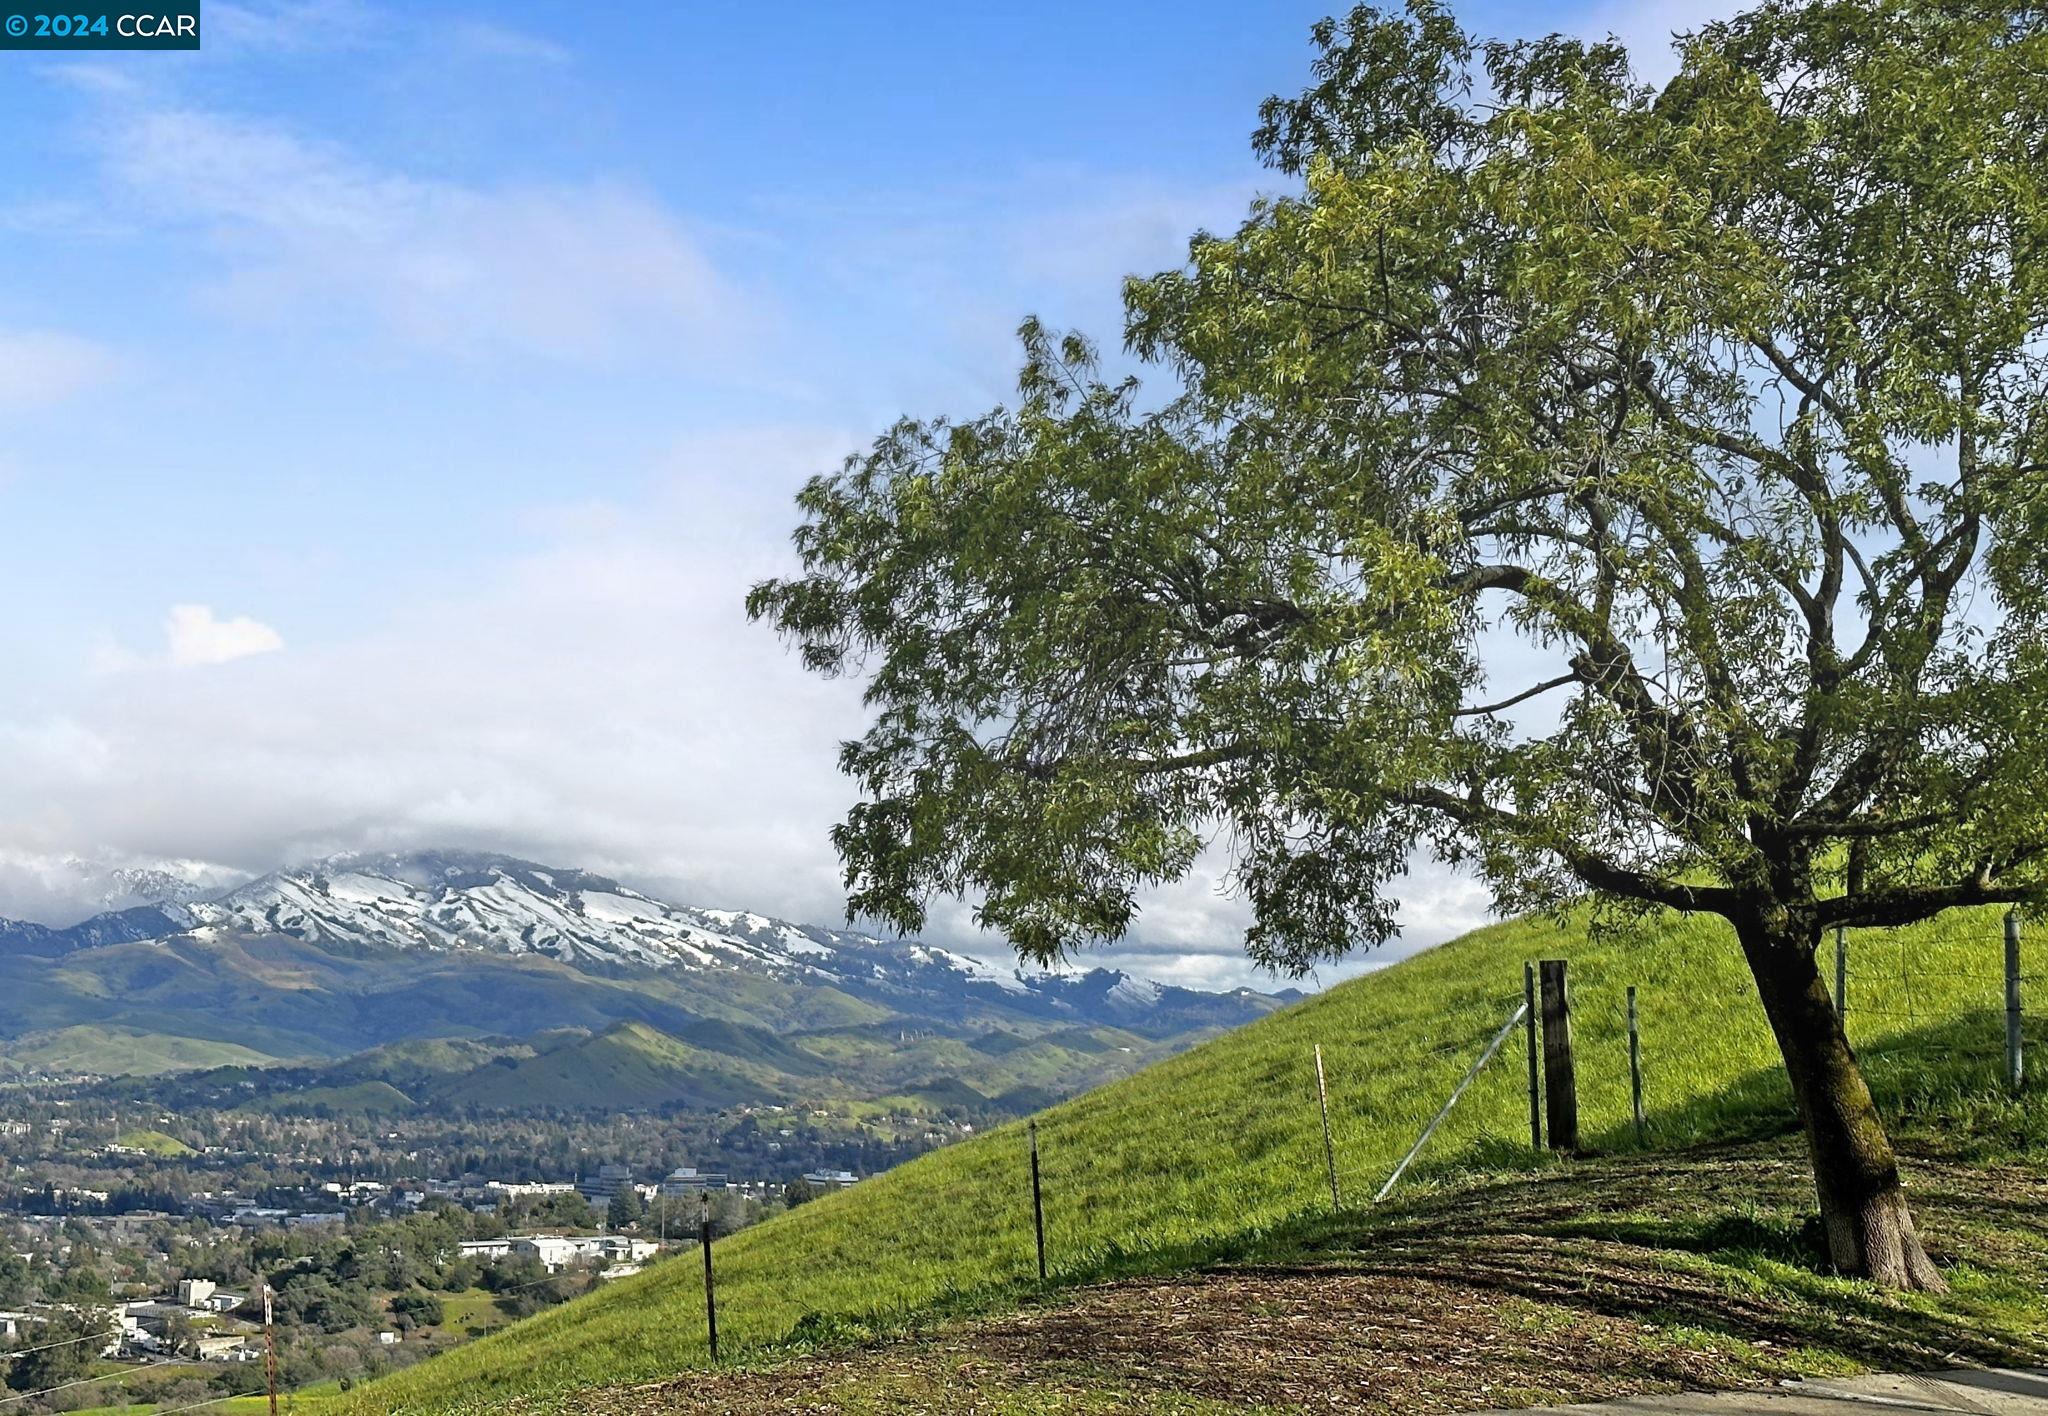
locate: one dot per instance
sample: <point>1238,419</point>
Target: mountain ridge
<point>362,950</point>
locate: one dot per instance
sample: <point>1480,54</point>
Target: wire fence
<point>1908,1001</point>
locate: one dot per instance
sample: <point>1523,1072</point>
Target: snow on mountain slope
<point>451,903</point>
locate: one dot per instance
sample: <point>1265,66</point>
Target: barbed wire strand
<point>9,1356</point>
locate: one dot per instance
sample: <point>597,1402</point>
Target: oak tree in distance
<point>1614,489</point>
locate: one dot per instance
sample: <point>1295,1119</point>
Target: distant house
<point>388,1339</point>
<point>484,1248</point>
<point>223,1347</point>
<point>196,1292</point>
<point>559,1251</point>
<point>830,1179</point>
<point>151,1315</point>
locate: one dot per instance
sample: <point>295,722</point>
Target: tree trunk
<point>1862,1200</point>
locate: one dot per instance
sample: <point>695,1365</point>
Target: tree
<point>797,1192</point>
<point>1620,491</point>
<point>63,1349</point>
<point>416,1308</point>
<point>625,1209</point>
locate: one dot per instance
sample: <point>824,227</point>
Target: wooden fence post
<point>710,1287</point>
<point>1037,1199</point>
<point>1560,1079</point>
<point>1635,1063</point>
<point>1329,1150</point>
<point>2015,1063</point>
<point>1535,1077</point>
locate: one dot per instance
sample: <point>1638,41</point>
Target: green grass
<point>119,1051</point>
<point>473,1308</point>
<point>628,1064</point>
<point>298,1403</point>
<point>1216,1152</point>
<point>154,1143</point>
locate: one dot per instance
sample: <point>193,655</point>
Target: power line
<point>67,1342</point>
<point>63,1386</point>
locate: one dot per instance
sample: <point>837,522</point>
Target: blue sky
<point>400,400</point>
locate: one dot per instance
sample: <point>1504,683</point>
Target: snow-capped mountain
<point>473,912</point>
<point>444,901</point>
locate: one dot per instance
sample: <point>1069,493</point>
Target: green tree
<point>416,1309</point>
<point>798,1192</point>
<point>1612,489</point>
<point>625,1209</point>
<point>15,1280</point>
<point>63,1349</point>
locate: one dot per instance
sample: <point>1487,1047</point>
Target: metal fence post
<point>1535,1077</point>
<point>710,1287</point>
<point>1478,1066</point>
<point>2015,1063</point>
<point>1037,1199</point>
<point>1329,1150</point>
<point>1635,1063</point>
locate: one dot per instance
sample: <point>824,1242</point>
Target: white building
<point>830,1179</point>
<point>559,1251</point>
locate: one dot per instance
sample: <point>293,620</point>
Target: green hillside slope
<point>1200,1154</point>
<point>122,1051</point>
<point>626,1065</point>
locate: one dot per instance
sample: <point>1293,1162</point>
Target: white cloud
<point>578,270</point>
<point>601,702</point>
<point>42,367</point>
<point>195,636</point>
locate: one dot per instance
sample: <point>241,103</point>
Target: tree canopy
<point>1600,485</point>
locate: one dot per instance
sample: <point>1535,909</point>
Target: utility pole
<point>270,1345</point>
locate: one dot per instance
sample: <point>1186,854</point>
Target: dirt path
<point>1983,1393</point>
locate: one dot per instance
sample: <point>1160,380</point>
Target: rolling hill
<point>628,1065</point>
<point>1206,1153</point>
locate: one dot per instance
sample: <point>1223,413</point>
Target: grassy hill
<point>122,1051</point>
<point>1214,1151</point>
<point>154,1143</point>
<point>626,1065</point>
